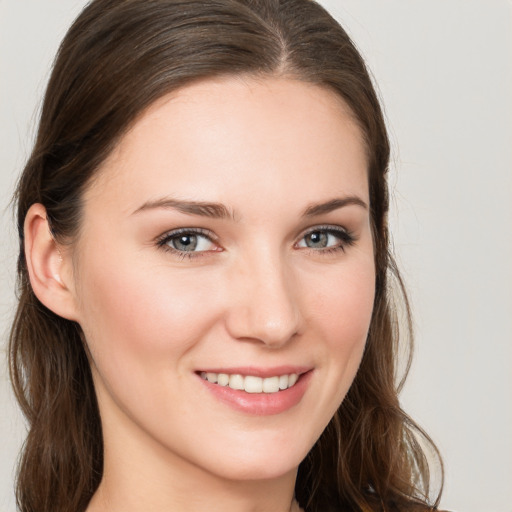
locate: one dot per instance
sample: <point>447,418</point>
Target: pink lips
<point>261,403</point>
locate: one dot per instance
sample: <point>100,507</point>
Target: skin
<point>255,295</point>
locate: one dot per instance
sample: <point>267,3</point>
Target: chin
<point>261,462</point>
<point>247,470</point>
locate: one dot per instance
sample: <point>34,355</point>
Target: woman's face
<point>225,253</point>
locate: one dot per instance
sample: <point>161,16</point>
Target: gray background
<point>444,69</point>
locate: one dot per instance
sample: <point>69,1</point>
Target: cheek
<point>136,313</point>
<point>342,313</point>
<point>343,308</point>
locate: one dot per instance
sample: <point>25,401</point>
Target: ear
<point>49,265</point>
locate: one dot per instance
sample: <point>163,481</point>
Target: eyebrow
<point>204,209</point>
<point>220,211</point>
<point>333,204</point>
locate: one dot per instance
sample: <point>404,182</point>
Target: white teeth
<point>283,382</point>
<point>223,379</point>
<point>236,382</point>
<point>253,384</point>
<point>271,385</point>
<point>250,383</point>
<point>211,377</point>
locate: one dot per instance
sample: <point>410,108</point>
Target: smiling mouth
<point>252,383</point>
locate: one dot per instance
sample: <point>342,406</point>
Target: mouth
<point>252,383</point>
<point>258,391</point>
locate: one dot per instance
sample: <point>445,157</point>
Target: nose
<point>265,305</point>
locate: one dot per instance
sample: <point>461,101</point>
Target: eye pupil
<point>185,242</point>
<point>316,239</point>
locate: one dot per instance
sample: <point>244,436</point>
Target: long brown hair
<point>116,60</point>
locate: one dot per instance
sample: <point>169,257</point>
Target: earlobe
<point>48,265</point>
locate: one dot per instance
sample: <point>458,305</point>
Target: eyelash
<point>163,241</point>
<point>346,238</point>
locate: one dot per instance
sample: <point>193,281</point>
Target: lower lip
<point>261,404</point>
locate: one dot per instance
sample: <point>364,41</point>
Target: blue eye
<point>326,237</point>
<point>187,241</point>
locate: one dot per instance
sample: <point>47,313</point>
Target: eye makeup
<point>188,242</point>
<point>199,242</point>
<point>326,239</point>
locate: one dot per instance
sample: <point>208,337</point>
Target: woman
<point>205,318</point>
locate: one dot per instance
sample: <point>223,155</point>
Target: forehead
<point>223,137</point>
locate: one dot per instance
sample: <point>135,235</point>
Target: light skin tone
<point>275,274</point>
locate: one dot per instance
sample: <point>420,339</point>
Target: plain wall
<point>444,70</point>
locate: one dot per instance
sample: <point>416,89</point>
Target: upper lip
<point>256,371</point>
